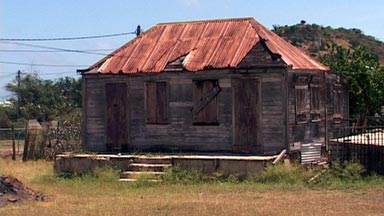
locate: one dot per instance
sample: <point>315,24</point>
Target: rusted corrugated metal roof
<point>204,44</point>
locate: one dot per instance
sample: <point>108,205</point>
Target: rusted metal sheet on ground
<point>202,44</point>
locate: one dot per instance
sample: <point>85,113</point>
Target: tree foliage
<point>44,99</point>
<point>365,78</point>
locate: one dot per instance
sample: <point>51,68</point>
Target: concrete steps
<point>146,168</point>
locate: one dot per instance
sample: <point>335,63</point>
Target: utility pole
<point>18,94</point>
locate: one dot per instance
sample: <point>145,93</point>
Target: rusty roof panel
<point>205,44</point>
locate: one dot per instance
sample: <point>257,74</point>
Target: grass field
<point>104,195</point>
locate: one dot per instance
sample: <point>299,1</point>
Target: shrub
<point>345,174</point>
<point>282,174</point>
<point>184,176</point>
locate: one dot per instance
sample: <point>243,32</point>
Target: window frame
<point>301,99</point>
<point>337,103</point>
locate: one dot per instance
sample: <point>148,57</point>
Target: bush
<point>190,176</point>
<point>282,174</point>
<point>343,175</point>
<point>184,176</point>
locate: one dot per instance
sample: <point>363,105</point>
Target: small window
<point>315,88</point>
<point>206,102</point>
<point>301,99</point>
<point>156,102</point>
<point>337,104</point>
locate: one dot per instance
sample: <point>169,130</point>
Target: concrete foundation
<point>235,165</point>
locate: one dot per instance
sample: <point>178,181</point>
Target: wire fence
<point>11,141</point>
<point>360,144</point>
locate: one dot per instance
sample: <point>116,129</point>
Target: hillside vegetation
<point>315,39</point>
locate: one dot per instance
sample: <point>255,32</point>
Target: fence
<point>360,144</point>
<point>11,141</point>
<point>40,141</point>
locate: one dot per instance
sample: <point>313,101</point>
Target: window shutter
<point>156,102</point>
<point>161,102</point>
<point>150,102</point>
<point>315,88</point>
<point>301,99</point>
<point>205,98</point>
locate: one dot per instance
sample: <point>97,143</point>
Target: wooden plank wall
<point>180,134</point>
<point>309,132</point>
<point>333,128</point>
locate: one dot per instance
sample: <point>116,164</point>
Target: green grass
<point>280,190</point>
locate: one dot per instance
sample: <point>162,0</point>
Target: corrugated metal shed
<point>201,44</point>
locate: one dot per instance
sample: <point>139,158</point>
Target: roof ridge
<point>209,20</point>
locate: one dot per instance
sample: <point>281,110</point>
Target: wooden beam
<point>279,157</point>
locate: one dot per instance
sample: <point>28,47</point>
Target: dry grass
<point>106,196</point>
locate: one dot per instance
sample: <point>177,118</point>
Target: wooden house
<point>219,86</point>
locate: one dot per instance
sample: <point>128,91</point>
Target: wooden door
<point>246,112</point>
<point>116,116</point>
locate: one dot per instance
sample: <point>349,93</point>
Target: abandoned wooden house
<point>219,86</point>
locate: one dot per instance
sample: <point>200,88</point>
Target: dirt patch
<point>14,191</point>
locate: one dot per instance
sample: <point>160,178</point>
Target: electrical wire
<point>48,51</point>
<point>41,65</point>
<point>68,38</point>
<point>57,49</point>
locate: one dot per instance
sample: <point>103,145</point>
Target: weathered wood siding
<point>310,131</point>
<point>334,125</point>
<point>180,134</point>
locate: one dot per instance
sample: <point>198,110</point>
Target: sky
<point>73,18</point>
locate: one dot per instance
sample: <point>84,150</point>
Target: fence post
<point>18,142</point>
<point>25,152</point>
<point>13,144</point>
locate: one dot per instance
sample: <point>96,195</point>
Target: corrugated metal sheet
<point>205,44</point>
<point>310,152</point>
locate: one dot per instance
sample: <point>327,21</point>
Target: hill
<point>314,39</point>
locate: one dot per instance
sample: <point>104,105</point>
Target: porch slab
<point>225,164</point>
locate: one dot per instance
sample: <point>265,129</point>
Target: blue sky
<point>70,18</point>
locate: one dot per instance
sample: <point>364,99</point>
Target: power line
<point>41,65</point>
<point>58,49</point>
<point>67,38</point>
<point>8,75</point>
<point>47,51</point>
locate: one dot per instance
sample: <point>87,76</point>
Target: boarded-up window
<point>206,102</point>
<point>156,102</point>
<point>301,99</point>
<point>315,88</point>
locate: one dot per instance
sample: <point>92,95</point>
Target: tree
<point>45,99</point>
<point>365,78</point>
